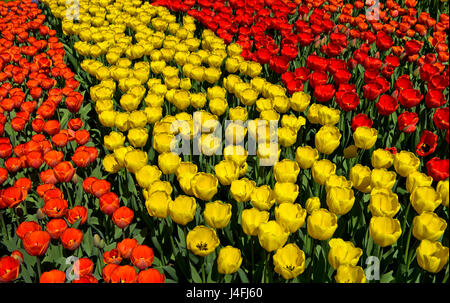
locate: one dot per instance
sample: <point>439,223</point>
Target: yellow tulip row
<point>102,33</point>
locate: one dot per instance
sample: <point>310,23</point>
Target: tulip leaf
<point>171,272</point>
<point>387,278</point>
<point>242,276</point>
<point>195,275</point>
<point>88,242</point>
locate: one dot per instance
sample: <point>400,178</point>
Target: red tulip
<point>361,120</point>
<point>407,122</point>
<point>386,105</point>
<point>410,97</point>
<point>427,144</point>
<point>438,169</point>
<point>441,118</point>
<point>122,217</point>
<point>36,242</point>
<point>71,238</point>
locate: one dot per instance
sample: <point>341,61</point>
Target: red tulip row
<point>35,81</point>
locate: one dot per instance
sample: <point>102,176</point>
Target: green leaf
<point>387,278</point>
<point>88,242</point>
<point>171,272</point>
<point>195,275</point>
<point>243,276</point>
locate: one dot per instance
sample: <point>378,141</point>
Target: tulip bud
<point>98,242</point>
<point>40,215</point>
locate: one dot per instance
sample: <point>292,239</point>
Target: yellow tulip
<point>204,186</point>
<point>157,204</point>
<point>312,204</point>
<point>285,192</point>
<point>442,188</point>
<point>217,214</point>
<point>300,101</point>
<point>182,209</point>
<point>381,177</point>
<point>384,230</point>
<point>340,200</point>
<point>186,168</point>
<point>147,175</point>
<point>306,156</point>
<point>322,170</point>
<point>272,235</point>
<point>238,113</point>
<point>168,162</point>
<point>242,189</point>
<point>229,260</point>
<point>425,198</point>
<point>289,261</point>
<point>110,164</point>
<point>328,116</point>
<point>339,181</point>
<point>405,163</point>
<point>218,106</point>
<point>287,136</point>
<point>432,256</point>
<point>262,197</point>
<point>226,171</point>
<point>343,253</point>
<point>321,224</point>
<point>416,179</point>
<point>113,140</point>
<point>292,122</point>
<point>107,118</point>
<point>350,274</point>
<point>134,160</point>
<point>138,136</point>
<point>383,202</point>
<point>251,219</point>
<point>428,225</point>
<point>382,158</point>
<point>202,240</point>
<point>365,137</point>
<point>291,215</point>
<point>286,171</point>
<point>327,139</point>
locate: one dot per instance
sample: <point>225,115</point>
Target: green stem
<point>266,278</point>
<point>407,250</point>
<point>252,249</point>
<point>203,271</point>
<point>38,262</point>
<point>5,231</point>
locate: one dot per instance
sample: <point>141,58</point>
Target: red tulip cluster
<point>141,256</point>
<point>36,81</point>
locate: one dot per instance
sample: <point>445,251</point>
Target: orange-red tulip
<point>112,257</point>
<point>142,256</point>
<point>71,238</point>
<point>109,202</point>
<point>9,269</point>
<point>151,275</point>
<point>55,227</point>
<point>122,217</point>
<point>124,274</point>
<point>126,246</point>
<point>53,276</point>
<point>77,213</point>
<point>36,242</point>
